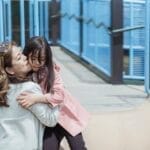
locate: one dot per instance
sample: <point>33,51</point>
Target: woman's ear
<point>9,70</point>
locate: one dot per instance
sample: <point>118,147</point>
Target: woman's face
<point>20,65</point>
<point>35,62</point>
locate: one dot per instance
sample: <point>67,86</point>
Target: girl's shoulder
<point>57,68</point>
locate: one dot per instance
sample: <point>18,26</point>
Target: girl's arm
<point>27,99</point>
<point>55,98</point>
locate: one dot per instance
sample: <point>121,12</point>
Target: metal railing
<point>97,25</point>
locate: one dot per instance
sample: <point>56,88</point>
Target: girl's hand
<point>27,99</point>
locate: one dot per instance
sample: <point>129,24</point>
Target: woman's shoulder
<point>24,85</point>
<point>31,83</point>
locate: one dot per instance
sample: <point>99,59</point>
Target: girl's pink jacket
<point>73,117</point>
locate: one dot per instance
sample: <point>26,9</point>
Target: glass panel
<point>26,5</point>
<point>16,21</point>
<point>45,12</point>
<point>126,62</point>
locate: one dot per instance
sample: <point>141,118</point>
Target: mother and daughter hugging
<point>36,111</point>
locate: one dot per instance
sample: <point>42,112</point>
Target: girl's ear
<point>9,70</point>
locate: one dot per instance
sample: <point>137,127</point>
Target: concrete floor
<point>120,114</point>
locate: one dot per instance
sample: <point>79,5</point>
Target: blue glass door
<point>20,21</point>
<point>39,17</point>
<point>5,20</point>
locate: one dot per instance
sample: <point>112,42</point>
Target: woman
<point>20,129</point>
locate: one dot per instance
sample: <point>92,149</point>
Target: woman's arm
<point>47,115</point>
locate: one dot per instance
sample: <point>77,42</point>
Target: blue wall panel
<point>5,21</point>
<point>70,27</point>
<point>96,41</point>
<point>134,40</point>
<point>147,51</point>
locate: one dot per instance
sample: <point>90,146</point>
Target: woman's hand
<point>27,99</point>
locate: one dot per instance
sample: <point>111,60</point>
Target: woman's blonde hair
<point>5,61</point>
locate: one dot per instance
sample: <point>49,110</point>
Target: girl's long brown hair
<point>39,44</point>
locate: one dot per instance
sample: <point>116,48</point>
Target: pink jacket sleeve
<point>57,97</point>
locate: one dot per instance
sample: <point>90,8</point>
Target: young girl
<point>73,117</point>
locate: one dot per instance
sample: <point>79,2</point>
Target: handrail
<point>128,29</point>
<point>97,25</point>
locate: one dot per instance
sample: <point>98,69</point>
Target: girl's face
<point>36,61</point>
<point>20,66</point>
